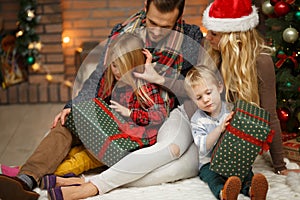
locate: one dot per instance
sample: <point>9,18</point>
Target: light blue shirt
<point>203,124</point>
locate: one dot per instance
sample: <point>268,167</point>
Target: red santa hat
<point>230,16</point>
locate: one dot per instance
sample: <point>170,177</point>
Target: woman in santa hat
<point>248,72</point>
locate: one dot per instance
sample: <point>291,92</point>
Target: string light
<point>49,77</point>
<point>30,15</point>
<point>19,33</point>
<point>68,83</point>
<point>35,67</point>
<point>35,45</point>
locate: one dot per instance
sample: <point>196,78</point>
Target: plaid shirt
<point>149,116</point>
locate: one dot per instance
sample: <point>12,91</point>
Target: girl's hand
<point>61,116</point>
<point>119,108</point>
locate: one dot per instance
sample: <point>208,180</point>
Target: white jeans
<point>161,162</point>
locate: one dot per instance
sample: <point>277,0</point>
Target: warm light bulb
<point>19,33</point>
<point>30,13</point>
<point>38,46</point>
<point>66,39</point>
<point>49,77</point>
<point>79,49</point>
<point>31,45</point>
<point>35,45</point>
<point>68,83</point>
<point>35,67</point>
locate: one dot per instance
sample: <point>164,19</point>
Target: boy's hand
<point>226,121</point>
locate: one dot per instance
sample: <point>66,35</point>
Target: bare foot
<point>79,192</point>
<point>60,181</point>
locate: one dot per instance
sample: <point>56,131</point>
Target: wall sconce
<point>66,39</point>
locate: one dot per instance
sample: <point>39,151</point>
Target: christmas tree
<point>20,48</point>
<point>27,43</point>
<point>283,24</point>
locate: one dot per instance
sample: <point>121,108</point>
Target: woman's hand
<point>286,171</point>
<point>61,116</point>
<point>120,109</point>
<point>149,73</point>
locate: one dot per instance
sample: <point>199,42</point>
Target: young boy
<point>204,86</point>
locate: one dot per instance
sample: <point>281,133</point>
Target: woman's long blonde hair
<point>126,53</point>
<point>237,55</point>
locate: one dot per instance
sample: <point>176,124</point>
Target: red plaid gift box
<point>292,150</point>
<point>288,136</point>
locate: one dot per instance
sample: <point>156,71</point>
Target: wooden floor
<point>21,129</point>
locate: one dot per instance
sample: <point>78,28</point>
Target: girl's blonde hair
<point>125,52</point>
<point>237,55</point>
<point>199,75</point>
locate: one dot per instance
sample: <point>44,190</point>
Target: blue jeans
<point>216,182</point>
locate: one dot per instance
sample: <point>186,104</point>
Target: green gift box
<point>98,127</point>
<point>247,135</point>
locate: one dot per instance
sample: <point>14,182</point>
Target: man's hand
<point>61,116</point>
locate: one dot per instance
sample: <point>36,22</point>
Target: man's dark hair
<point>165,6</point>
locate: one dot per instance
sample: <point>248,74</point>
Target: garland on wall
<point>20,48</point>
<point>28,43</point>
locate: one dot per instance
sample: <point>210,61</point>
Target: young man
<point>163,27</point>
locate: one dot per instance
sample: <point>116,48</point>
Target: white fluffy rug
<point>280,187</point>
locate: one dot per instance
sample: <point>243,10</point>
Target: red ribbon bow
<point>116,137</point>
<point>134,134</point>
<point>137,131</point>
<point>263,144</point>
<point>284,57</point>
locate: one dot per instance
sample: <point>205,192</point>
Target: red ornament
<point>273,2</point>
<point>281,8</point>
<point>283,114</point>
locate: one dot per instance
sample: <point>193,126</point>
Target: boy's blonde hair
<point>199,75</point>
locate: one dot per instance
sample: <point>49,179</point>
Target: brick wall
<point>37,89</point>
<point>82,21</point>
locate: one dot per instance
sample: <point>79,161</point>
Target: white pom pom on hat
<point>230,16</point>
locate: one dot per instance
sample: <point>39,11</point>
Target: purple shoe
<point>49,181</point>
<point>56,193</point>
